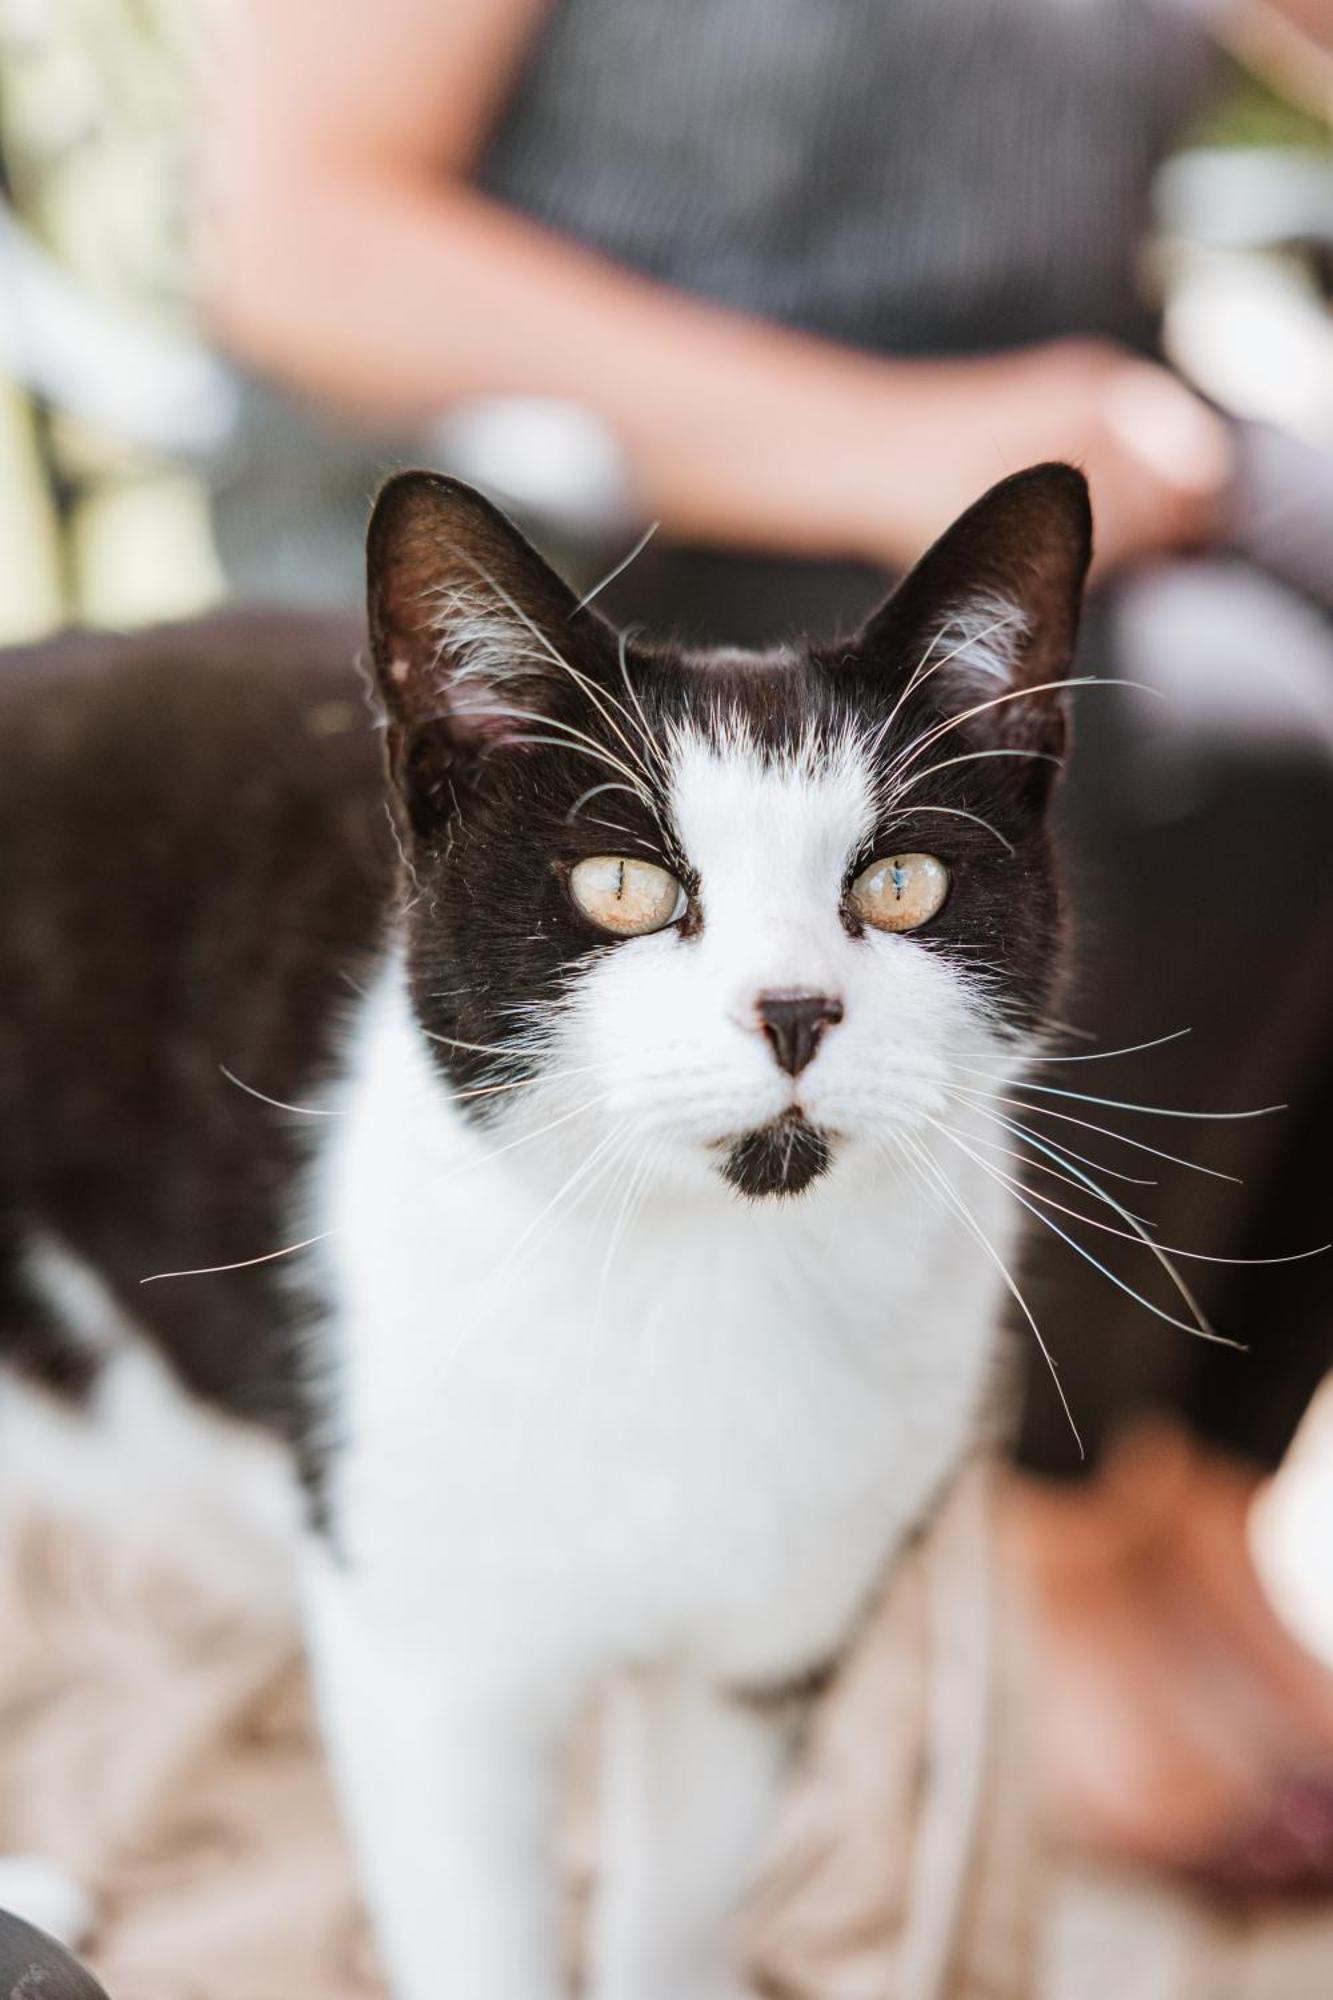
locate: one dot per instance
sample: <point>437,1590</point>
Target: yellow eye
<point>900,892</point>
<point>627,897</point>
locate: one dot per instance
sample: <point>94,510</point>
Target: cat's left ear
<point>991,611</point>
<point>477,643</point>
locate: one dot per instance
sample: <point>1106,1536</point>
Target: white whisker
<point>596,695</point>
<point>1061,1151</point>
<point>1088,1125</point>
<point>241,1264</point>
<point>961,1209</point>
<point>301,1110</point>
<point>1106,1055</point>
<point>1198,1327</point>
<point>1148,1110</point>
<point>620,567</point>
<point>1033,1166</point>
<point>958,812</point>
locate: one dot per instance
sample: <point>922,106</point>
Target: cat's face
<point>735,917</point>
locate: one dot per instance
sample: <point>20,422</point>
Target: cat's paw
<point>44,1895</point>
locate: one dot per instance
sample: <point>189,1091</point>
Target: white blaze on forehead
<point>771,837</point>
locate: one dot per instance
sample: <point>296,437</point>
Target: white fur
<point>600,1414</point>
<point>145,1451</point>
<point>595,1414</point>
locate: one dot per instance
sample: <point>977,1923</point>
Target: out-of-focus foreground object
<point>33,1963</point>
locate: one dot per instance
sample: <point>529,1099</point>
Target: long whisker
<point>508,1050</point>
<point>958,812</point>
<point>580,1173</point>
<point>1061,1151</point>
<point>1201,1332</point>
<point>522,1083</point>
<point>921,744</point>
<point>1106,1055</point>
<point>1162,1250</point>
<point>290,1249</point>
<point>900,791</point>
<point>602,701</point>
<point>619,569</point>
<point>988,1097</point>
<point>301,1110</point>
<point>1033,1166</point>
<point>570,739</point>
<point>921,673</point>
<point>654,747</point>
<point>927,1159</point>
<point>242,1263</point>
<point>1149,1110</point>
<point>594,791</point>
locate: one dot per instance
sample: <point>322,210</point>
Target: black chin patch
<point>781,1158</point>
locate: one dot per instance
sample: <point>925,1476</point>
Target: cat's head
<point>746,914</point>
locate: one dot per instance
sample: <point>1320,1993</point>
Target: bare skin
<point>349,152</point>
<point>1180,1723</point>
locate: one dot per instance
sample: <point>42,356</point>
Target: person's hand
<point>1178,1721</point>
<point>1159,461</point>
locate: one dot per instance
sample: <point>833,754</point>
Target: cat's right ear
<point>477,644</point>
<point>990,613</point>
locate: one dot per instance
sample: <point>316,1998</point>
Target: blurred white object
<point>1252,332</point>
<point>540,457</point>
<point>1292,1530</point>
<point>1244,232</point>
<point>1246,197</point>
<point>134,382</point>
<point>45,1896</point>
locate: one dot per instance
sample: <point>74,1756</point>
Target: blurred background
<point>121,417</point>
<point>795,283</point>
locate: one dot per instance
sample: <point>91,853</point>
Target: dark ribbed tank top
<point>913,176</point>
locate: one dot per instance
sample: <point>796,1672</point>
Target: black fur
<point>782,1158</point>
<point>196,869</point>
<point>490,816</point>
<point>199,875</point>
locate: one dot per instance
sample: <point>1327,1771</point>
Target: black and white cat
<point>635,1315</point>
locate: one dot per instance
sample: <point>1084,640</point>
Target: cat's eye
<point>626,896</point>
<point>900,892</point>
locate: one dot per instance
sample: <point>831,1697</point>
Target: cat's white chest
<point>676,1431</point>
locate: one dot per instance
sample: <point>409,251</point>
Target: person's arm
<point>349,255</point>
<point>1289,43</point>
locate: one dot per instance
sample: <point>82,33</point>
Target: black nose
<point>794,1023</point>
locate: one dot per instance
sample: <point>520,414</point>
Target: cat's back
<point>181,811</point>
<point>196,870</point>
<point>197,725</point>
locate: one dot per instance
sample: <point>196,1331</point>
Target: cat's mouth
<point>780,1158</point>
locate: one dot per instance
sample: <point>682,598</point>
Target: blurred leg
<point>1179,1719</point>
<point>1199,822</point>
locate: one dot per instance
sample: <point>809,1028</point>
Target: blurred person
<point>823,274</point>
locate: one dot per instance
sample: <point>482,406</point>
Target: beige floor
<point>158,1742</point>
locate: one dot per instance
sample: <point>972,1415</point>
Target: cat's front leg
<point>450,1766</point>
<point>692,1781</point>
